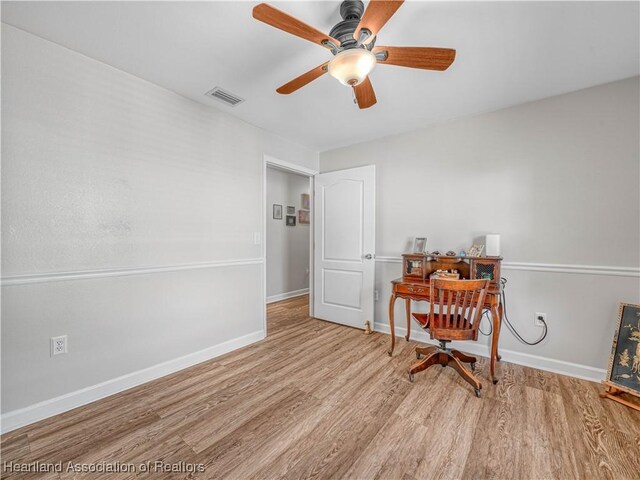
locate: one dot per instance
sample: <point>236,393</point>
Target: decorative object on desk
<point>291,220</point>
<point>450,253</point>
<point>277,212</point>
<point>306,201</point>
<point>462,253</point>
<point>414,265</point>
<point>475,250</point>
<point>623,375</point>
<point>486,268</point>
<point>291,210</point>
<point>446,274</point>
<point>303,217</point>
<point>435,253</point>
<point>492,245</point>
<point>420,245</point>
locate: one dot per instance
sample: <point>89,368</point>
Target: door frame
<point>269,161</point>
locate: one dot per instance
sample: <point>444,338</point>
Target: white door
<point>344,234</point>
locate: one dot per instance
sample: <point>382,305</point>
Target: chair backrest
<point>459,308</point>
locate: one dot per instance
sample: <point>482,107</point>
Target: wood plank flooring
<point>318,400</point>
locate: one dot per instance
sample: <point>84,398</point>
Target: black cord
<point>485,314</point>
<point>503,282</point>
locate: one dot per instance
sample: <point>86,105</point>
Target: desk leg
<point>500,317</point>
<point>407,306</point>
<point>392,328</point>
<point>494,342</point>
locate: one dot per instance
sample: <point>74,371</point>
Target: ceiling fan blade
<point>303,79</point>
<point>378,13</point>
<point>427,58</point>
<point>277,18</point>
<point>364,94</point>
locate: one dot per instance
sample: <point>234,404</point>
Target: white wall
<point>287,247</point>
<point>128,219</point>
<point>557,178</point>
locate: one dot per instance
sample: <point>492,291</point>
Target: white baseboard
<point>48,408</point>
<point>584,372</point>
<point>284,296</point>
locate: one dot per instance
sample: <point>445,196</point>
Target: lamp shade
<point>352,66</point>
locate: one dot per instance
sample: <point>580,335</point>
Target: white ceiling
<point>507,53</point>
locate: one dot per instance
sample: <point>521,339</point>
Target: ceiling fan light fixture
<point>351,67</point>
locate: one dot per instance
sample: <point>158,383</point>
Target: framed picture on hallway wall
<point>291,220</point>
<point>277,212</point>
<point>291,210</point>
<point>303,217</point>
<point>305,201</point>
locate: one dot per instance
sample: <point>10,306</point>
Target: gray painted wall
<point>287,247</point>
<point>557,178</point>
<point>102,170</point>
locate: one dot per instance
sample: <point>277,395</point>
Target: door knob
<point>368,256</point>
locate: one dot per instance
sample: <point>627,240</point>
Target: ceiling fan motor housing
<point>351,11</point>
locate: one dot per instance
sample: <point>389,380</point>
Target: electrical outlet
<point>540,318</point>
<point>58,345</point>
<point>376,295</point>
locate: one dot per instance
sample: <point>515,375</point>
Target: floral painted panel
<point>624,365</point>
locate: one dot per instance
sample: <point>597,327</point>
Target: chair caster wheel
<point>477,392</point>
<point>473,366</point>
<point>495,382</point>
<point>411,377</point>
<point>418,356</point>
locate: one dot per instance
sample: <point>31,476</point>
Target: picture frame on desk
<point>420,245</point>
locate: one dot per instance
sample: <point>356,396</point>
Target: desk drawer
<point>412,289</point>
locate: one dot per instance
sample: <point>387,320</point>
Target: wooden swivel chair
<point>459,311</point>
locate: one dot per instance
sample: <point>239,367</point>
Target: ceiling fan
<point>352,42</point>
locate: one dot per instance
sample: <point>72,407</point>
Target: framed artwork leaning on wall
<point>623,375</point>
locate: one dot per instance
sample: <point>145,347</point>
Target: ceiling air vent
<point>224,96</point>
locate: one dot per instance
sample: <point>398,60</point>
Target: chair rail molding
<point>553,268</point>
<point>29,279</point>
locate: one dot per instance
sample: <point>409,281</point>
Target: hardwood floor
<point>318,400</point>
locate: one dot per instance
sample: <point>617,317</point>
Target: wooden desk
<point>419,290</point>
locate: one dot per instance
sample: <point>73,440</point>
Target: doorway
<point>288,233</point>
